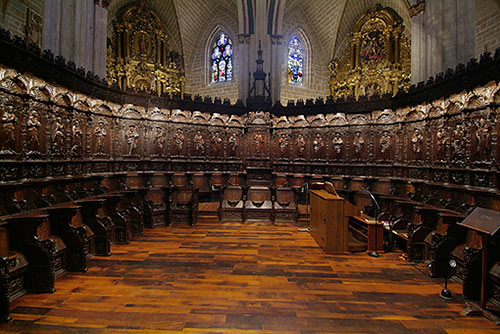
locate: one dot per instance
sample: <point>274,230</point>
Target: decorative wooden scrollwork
<point>139,57</point>
<point>377,61</point>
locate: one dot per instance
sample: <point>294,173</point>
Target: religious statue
<point>416,143</point>
<point>441,141</point>
<point>258,142</point>
<point>58,136</point>
<point>385,145</point>
<point>317,146</point>
<point>283,145</point>
<point>159,140</point>
<point>483,140</point>
<point>178,142</point>
<point>33,126</point>
<point>233,144</point>
<point>457,143</point>
<point>199,144</point>
<point>132,139</point>
<point>217,142</point>
<point>76,147</point>
<point>100,132</point>
<point>300,144</point>
<point>9,121</point>
<point>337,144</point>
<point>359,145</point>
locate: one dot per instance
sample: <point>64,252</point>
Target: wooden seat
<point>231,208</point>
<point>201,181</point>
<point>13,266</point>
<point>216,183</point>
<point>76,236</point>
<point>284,206</point>
<point>280,180</point>
<point>132,211</point>
<point>30,235</point>
<point>235,180</point>
<point>297,183</point>
<point>183,205</point>
<point>179,180</point>
<point>258,206</point>
<point>102,228</point>
<point>122,229</point>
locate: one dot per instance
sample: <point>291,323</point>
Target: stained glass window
<point>222,59</point>
<point>295,61</point>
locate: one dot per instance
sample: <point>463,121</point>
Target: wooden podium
<point>330,221</point>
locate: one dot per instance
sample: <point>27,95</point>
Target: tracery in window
<point>222,59</point>
<point>295,61</point>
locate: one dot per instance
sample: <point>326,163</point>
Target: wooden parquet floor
<point>233,278</point>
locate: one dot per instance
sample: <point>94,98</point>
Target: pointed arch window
<point>222,59</point>
<point>295,61</point>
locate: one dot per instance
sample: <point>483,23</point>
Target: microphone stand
<point>377,209</point>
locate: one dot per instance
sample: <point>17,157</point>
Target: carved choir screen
<point>377,61</point>
<point>139,56</point>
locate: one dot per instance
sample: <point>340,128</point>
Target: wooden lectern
<point>330,221</point>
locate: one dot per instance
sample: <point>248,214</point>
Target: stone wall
<point>487,26</point>
<point>13,14</point>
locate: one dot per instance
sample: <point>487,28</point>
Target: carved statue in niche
<point>77,134</point>
<point>483,140</point>
<point>217,142</point>
<point>416,144</point>
<point>258,142</point>
<point>199,144</point>
<point>300,144</point>
<point>33,126</point>
<point>9,120</point>
<point>100,133</point>
<point>132,139</point>
<point>233,144</point>
<point>58,136</point>
<point>385,145</point>
<point>178,148</point>
<point>441,141</point>
<point>283,145</point>
<point>359,145</point>
<point>317,146</point>
<point>337,144</point>
<point>457,142</point>
<point>159,140</point>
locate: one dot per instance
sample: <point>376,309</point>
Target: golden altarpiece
<point>139,57</point>
<point>377,60</point>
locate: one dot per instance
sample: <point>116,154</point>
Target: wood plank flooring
<point>234,278</point>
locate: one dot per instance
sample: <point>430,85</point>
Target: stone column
<point>277,58</point>
<point>77,30</point>
<point>244,65</point>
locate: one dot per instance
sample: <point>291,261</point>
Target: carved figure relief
<point>483,140</point>
<point>33,126</point>
<point>416,144</point>
<point>159,140</point>
<point>217,142</point>
<point>359,145</point>
<point>199,144</point>
<point>132,139</point>
<point>457,143</point>
<point>283,145</point>
<point>9,121</point>
<point>100,133</point>
<point>441,142</point>
<point>258,142</point>
<point>385,145</point>
<point>337,144</point>
<point>300,144</point>
<point>58,136</point>
<point>233,144</point>
<point>178,148</point>
<point>76,147</point>
<point>317,146</point>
